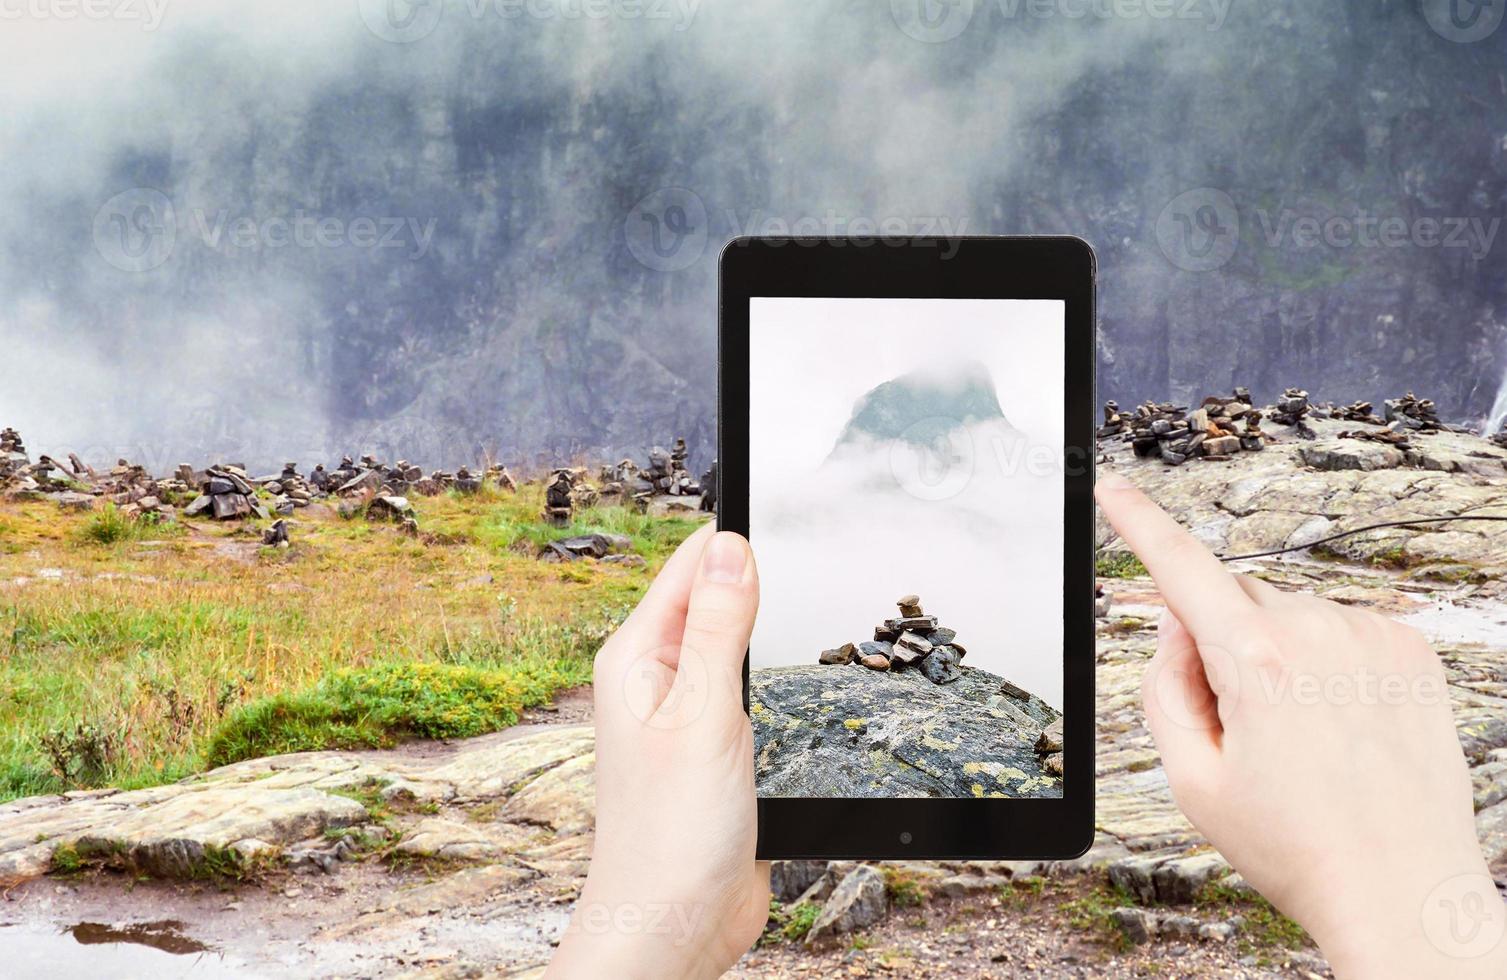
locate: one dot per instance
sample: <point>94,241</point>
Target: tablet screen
<point>906,492</point>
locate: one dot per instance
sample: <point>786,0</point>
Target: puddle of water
<point>127,951</point>
<point>1446,622</point>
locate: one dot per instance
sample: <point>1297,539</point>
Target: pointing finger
<point>1194,583</point>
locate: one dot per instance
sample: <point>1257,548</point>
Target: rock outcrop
<point>820,731</point>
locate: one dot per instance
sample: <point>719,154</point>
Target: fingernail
<point>726,557</point>
<point>1110,480</point>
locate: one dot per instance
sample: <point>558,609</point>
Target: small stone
<point>1136,924</point>
<point>841,656</point>
<point>911,648</point>
<point>910,606</point>
<point>941,636</point>
<point>876,662</point>
<point>1051,738</point>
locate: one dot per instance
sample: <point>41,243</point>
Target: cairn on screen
<point>912,639</point>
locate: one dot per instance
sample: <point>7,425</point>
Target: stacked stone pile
<point>558,503</point>
<point>1291,409</point>
<point>500,476</point>
<point>12,453</point>
<point>709,489</point>
<point>912,639</point>
<point>226,495</point>
<point>289,490</point>
<point>1412,412</point>
<point>667,474</point>
<point>1214,432</point>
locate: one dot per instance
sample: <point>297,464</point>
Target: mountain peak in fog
<point>921,405</point>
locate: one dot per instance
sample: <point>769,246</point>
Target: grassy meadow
<point>134,654</point>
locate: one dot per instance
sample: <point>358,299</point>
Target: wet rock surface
<point>846,732</point>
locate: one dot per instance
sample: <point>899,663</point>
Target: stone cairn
<point>667,474</point>
<point>1404,417</point>
<point>1214,432</point>
<point>226,495</point>
<point>289,490</point>
<point>709,490</point>
<point>13,456</point>
<point>912,639</point>
<point>558,502</point>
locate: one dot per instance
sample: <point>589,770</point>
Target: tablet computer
<point>906,438</point>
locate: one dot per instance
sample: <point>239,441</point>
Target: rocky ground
<point>463,859</point>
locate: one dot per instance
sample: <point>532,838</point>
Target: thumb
<point>718,621</point>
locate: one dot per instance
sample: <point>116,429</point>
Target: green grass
<point>379,706</point>
<point>197,648</point>
<point>1266,929</point>
<point>905,890</point>
<point>1091,913</point>
<point>109,526</point>
<point>1119,564</point>
<point>790,923</point>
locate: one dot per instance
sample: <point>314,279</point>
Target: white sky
<point>834,556</point>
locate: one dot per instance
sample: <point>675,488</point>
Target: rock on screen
<point>906,508</point>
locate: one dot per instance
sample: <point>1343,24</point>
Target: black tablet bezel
<point>1061,268</point>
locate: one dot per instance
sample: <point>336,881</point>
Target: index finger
<point>1196,586</point>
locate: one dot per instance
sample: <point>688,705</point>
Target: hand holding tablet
<point>1352,813</point>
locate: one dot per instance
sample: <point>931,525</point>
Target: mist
<point>283,230</point>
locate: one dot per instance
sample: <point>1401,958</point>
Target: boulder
<point>788,880</point>
<point>858,901</point>
<point>867,734</point>
<point>388,509</point>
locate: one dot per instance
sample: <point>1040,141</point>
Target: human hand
<point>1312,744</point>
<point>674,890</point>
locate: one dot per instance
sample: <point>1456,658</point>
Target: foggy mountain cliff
<point>485,278</point>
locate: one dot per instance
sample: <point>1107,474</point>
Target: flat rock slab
<point>542,780</point>
<point>835,731</point>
